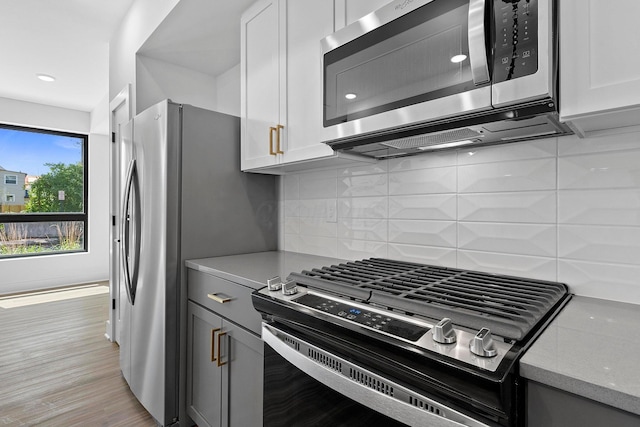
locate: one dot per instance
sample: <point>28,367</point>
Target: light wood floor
<point>58,369</point>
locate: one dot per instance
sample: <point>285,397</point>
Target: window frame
<point>15,179</point>
<point>83,217</point>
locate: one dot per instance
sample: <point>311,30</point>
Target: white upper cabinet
<point>599,64</point>
<point>281,86</point>
<point>261,93</point>
<point>308,22</point>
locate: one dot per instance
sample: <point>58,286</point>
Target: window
<point>50,215</point>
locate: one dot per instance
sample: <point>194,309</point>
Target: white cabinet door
<point>308,21</point>
<point>261,75</point>
<point>599,64</point>
<point>349,11</point>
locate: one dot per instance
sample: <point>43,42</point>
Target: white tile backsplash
<point>601,280</point>
<point>423,181</point>
<point>520,239</point>
<point>419,206</point>
<point>616,169</point>
<point>565,209</point>
<point>363,229</point>
<point>318,185</point>
<point>599,243</point>
<point>426,233</point>
<point>517,175</point>
<point>363,185</point>
<point>363,207</point>
<point>291,187</point>
<point>603,207</point>
<point>525,206</point>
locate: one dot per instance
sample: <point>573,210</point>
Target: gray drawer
<point>225,298</point>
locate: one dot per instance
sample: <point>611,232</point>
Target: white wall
<point>158,80</point>
<point>21,274</point>
<point>23,113</point>
<point>562,209</point>
<point>141,20</point>
<point>228,91</point>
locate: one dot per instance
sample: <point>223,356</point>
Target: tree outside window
<point>46,172</point>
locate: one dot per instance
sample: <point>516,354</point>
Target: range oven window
<point>420,56</point>
<point>293,398</point>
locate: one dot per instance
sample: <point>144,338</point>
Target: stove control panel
<point>371,319</point>
<point>445,337</point>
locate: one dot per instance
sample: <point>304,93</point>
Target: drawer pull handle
<point>220,362</point>
<point>219,299</point>
<point>213,345</point>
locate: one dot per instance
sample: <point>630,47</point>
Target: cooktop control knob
<point>482,344</point>
<point>274,284</point>
<point>289,288</point>
<point>443,332</point>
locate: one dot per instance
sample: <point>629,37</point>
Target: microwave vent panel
<point>433,139</point>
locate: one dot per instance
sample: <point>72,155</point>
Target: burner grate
<point>509,306</point>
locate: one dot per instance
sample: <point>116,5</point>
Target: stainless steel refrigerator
<point>182,196</point>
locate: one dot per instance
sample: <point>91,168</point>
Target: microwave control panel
<point>516,39</point>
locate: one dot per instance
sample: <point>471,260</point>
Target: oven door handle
<point>362,385</point>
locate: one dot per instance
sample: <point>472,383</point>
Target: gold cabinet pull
<point>219,299</point>
<point>213,345</point>
<point>220,362</point>
<point>278,149</point>
<point>271,130</point>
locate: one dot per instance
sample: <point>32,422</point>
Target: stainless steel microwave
<point>419,75</point>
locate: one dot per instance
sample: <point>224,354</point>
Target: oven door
<point>305,385</point>
<point>406,63</point>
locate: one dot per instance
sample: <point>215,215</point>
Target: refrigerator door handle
<point>127,218</point>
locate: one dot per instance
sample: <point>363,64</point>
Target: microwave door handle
<point>477,42</point>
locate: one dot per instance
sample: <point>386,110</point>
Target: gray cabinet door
<point>204,376</point>
<point>242,383</point>
<point>224,371</point>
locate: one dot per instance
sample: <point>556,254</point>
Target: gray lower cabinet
<point>550,407</point>
<point>224,365</point>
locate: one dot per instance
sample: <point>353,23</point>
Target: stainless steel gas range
<point>399,343</point>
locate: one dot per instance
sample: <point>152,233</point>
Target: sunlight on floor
<point>50,296</point>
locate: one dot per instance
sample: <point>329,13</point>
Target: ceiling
<point>69,39</point>
<point>202,35</point>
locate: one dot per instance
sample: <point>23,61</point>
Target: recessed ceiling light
<point>46,77</point>
<point>458,58</point>
<point>351,96</point>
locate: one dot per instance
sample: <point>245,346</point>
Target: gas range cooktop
<point>472,317</point>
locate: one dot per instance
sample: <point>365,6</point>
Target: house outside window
<point>43,192</point>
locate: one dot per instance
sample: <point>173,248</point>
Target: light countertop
<point>253,270</point>
<point>591,349</point>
